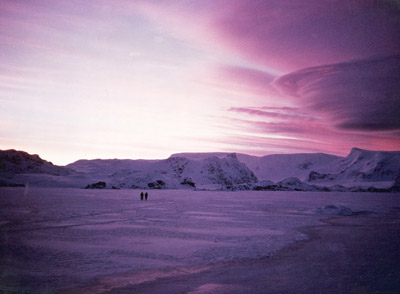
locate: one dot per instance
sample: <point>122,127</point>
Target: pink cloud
<point>245,80</point>
<point>287,35</point>
<point>310,130</point>
<point>304,137</point>
<point>187,60</point>
<point>297,34</point>
<point>258,145</point>
<point>359,95</point>
<point>282,113</point>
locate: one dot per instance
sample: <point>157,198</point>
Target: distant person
<point>145,196</point>
<point>141,196</point>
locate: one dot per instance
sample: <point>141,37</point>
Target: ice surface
<point>53,238</point>
<point>334,210</point>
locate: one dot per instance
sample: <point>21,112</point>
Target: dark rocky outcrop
<point>189,182</point>
<point>315,176</point>
<point>158,184</point>
<point>98,185</point>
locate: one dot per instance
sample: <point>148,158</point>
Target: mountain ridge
<point>216,171</point>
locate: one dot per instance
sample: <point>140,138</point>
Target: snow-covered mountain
<point>174,172</point>
<point>17,168</point>
<point>360,170</point>
<point>278,167</point>
<point>18,162</point>
<point>361,166</point>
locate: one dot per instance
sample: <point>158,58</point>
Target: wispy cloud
<point>282,113</point>
<point>219,75</point>
<point>289,34</point>
<point>358,95</point>
<point>246,79</point>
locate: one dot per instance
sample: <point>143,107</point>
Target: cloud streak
<point>282,113</point>
<point>287,35</point>
<point>312,32</point>
<point>338,86</point>
<point>360,95</point>
<point>215,75</point>
<point>247,80</point>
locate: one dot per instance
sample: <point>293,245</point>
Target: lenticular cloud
<point>358,95</point>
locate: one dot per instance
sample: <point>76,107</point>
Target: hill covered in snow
<point>18,162</point>
<point>361,170</point>
<point>175,172</point>
<point>18,167</point>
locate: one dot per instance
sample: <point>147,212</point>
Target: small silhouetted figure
<point>141,196</point>
<point>145,196</point>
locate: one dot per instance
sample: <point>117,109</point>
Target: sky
<point>146,79</point>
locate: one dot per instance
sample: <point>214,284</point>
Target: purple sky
<point>145,79</point>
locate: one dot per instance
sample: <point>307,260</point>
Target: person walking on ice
<point>145,196</point>
<point>141,196</point>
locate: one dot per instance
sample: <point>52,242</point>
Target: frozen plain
<point>93,241</point>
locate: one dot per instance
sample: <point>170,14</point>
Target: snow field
<point>55,238</point>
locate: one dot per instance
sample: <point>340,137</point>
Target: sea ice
<point>55,238</point>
